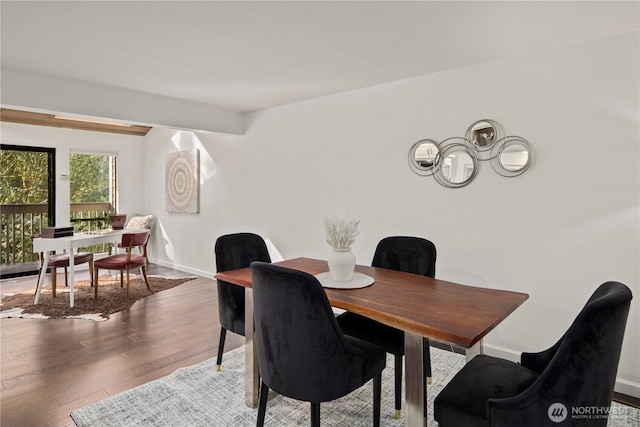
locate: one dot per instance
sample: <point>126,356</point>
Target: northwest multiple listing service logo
<point>557,412</point>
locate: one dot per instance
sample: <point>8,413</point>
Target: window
<point>93,190</point>
<point>27,200</point>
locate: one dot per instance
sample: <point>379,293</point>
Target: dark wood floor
<point>51,367</point>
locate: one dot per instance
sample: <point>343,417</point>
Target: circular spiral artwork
<point>182,181</point>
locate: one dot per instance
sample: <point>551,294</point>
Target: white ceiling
<point>246,56</point>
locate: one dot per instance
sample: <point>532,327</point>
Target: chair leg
<point>54,277</point>
<point>426,369</point>
<point>262,407</point>
<point>144,276</point>
<point>398,378</point>
<point>127,282</point>
<point>223,334</point>
<point>377,395</point>
<point>426,359</point>
<point>95,283</point>
<point>66,276</point>
<point>315,414</point>
<point>91,270</point>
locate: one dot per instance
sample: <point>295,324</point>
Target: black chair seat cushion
<point>374,357</point>
<point>379,334</point>
<point>119,262</point>
<point>463,401</point>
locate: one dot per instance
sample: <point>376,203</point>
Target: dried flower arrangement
<point>341,233</point>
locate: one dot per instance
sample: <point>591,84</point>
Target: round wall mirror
<point>483,134</point>
<point>512,156</point>
<point>458,166</point>
<point>424,156</point>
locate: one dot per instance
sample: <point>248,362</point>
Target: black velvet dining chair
<point>412,255</point>
<point>302,353</point>
<point>235,251</point>
<point>577,374</point>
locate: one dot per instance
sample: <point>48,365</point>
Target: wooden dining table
<point>421,306</point>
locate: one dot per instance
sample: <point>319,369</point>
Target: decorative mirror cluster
<point>455,161</point>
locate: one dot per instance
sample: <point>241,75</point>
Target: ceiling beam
<point>43,119</point>
<point>26,91</point>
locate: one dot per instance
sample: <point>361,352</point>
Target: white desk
<point>78,240</point>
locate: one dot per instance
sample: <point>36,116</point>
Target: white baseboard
<point>623,386</point>
<point>501,352</point>
<point>184,268</point>
<point>629,388</point>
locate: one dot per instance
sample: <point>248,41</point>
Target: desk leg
<point>45,263</point>
<point>474,350</point>
<point>415,381</point>
<point>72,276</point>
<point>251,377</point>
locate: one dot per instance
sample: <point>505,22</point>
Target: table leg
<point>251,377</point>
<point>474,350</point>
<point>72,277</point>
<point>414,378</point>
<point>45,263</point>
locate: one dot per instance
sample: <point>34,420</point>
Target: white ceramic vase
<point>342,263</point>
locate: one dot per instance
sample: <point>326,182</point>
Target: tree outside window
<point>92,190</point>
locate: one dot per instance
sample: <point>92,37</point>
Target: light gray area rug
<point>199,396</point>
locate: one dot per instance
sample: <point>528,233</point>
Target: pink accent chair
<point>125,261</point>
<point>62,261</point>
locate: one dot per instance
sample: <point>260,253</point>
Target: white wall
<point>556,233</point>
<point>129,151</point>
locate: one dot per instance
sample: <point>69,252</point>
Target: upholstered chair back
<point>570,383</point>
<point>409,254</point>
<point>301,349</point>
<point>235,251</point>
<point>579,371</point>
<point>134,239</point>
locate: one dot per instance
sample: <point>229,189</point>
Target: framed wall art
<point>182,181</point>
